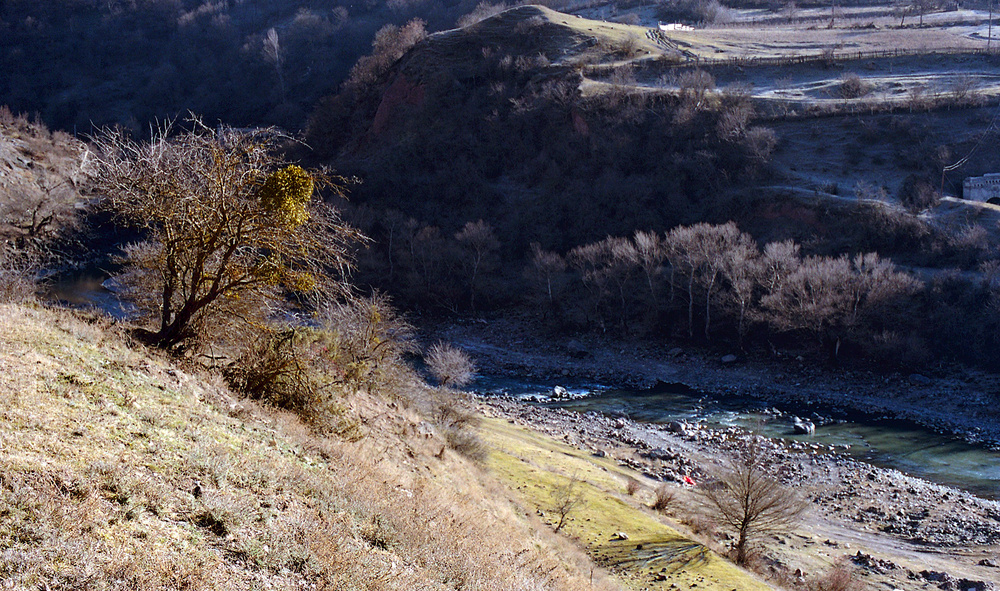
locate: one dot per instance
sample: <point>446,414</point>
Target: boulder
<point>675,352</point>
<point>729,359</point>
<point>576,350</point>
<point>559,392</point>
<point>679,427</point>
<point>620,535</point>
<point>919,380</point>
<point>803,427</point>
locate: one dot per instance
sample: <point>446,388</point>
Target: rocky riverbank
<point>900,532</point>
<point>948,399</point>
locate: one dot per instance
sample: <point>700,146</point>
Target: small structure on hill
<point>984,188</point>
<point>674,27</point>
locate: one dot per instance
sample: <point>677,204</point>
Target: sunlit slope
<point>118,470</point>
<point>655,555</point>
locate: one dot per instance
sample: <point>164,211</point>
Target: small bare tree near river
<point>748,501</point>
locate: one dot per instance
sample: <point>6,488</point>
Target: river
<point>902,445</point>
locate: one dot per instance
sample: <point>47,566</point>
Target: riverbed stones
<point>679,427</point>
<point>803,427</point>
<point>577,350</point>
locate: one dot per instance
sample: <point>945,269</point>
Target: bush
<point>918,193</point>
<point>632,486</point>
<point>665,499</point>
<point>852,86</point>
<point>449,365</point>
<point>17,274</point>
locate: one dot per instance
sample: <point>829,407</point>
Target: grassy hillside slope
<point>121,470</point>
<point>124,471</point>
<point>654,555</point>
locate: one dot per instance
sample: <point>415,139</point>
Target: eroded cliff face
<point>402,92</point>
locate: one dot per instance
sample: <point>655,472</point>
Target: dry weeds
<point>119,470</point>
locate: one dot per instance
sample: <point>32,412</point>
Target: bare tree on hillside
<point>479,242</point>
<point>748,501</point>
<point>606,264</point>
<point>227,228</point>
<point>272,51</point>
<point>699,252</point>
<point>778,261</point>
<point>390,43</point>
<point>651,251</point>
<point>742,268</point>
<point>812,297</point>
<point>546,267</point>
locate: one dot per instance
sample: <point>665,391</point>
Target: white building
<point>982,188</point>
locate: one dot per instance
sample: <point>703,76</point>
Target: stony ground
<point>899,532</point>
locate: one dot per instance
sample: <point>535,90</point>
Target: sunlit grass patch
<point>652,553</point>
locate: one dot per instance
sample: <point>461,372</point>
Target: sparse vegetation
<point>664,500</point>
<point>567,498</point>
<point>155,476</point>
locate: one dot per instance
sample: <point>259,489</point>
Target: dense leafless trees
<point>719,279</point>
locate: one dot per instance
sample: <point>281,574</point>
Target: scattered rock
<point>803,427</point>
<point>678,427</point>
<point>873,564</point>
<point>576,350</point>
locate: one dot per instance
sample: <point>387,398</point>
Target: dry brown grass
<point>665,499</point>
<point>121,470</point>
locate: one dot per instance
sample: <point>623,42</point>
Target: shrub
<point>665,498</point>
<point>227,228</point>
<point>17,274</point>
<point>918,193</point>
<point>631,486</point>
<point>482,11</point>
<point>839,578</point>
<point>449,365</point>
<point>853,86</point>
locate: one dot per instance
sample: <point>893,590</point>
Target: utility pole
<point>989,28</point>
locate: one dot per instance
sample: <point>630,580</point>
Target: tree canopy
<point>229,228</point>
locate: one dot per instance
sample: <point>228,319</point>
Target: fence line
<point>831,56</point>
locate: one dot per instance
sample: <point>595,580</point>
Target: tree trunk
<point>741,548</point>
<point>691,305</point>
<point>708,305</point>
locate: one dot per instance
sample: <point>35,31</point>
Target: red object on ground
<point>688,480</point>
